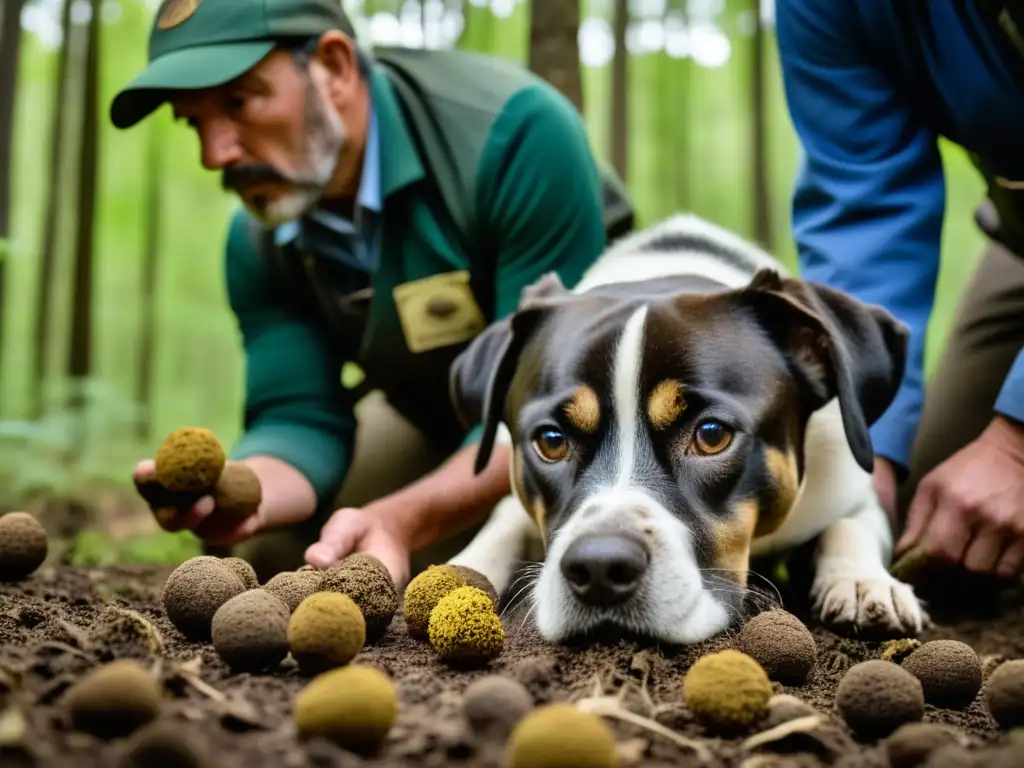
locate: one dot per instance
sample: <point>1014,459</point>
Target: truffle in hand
<point>190,460</point>
<point>238,493</point>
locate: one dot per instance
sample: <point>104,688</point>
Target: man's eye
<point>711,437</point>
<point>550,444</point>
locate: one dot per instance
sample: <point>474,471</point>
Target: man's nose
<point>605,570</point>
<point>220,144</point>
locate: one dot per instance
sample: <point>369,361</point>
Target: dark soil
<point>56,625</point>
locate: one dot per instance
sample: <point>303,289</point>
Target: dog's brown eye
<point>711,437</point>
<point>550,444</point>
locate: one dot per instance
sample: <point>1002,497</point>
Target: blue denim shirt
<point>871,85</point>
<point>351,248</point>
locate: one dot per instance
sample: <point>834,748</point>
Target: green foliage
<point>97,549</point>
<point>689,148</point>
<point>73,450</point>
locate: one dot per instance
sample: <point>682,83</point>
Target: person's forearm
<point>288,497</point>
<point>449,499</point>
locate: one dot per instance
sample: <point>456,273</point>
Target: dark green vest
<point>449,147</point>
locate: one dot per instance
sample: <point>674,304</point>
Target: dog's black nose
<point>604,570</point>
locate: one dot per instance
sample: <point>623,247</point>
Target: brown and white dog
<point>689,405</point>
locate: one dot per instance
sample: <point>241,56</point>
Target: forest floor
<point>55,626</point>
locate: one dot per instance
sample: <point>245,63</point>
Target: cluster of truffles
<point>321,619</point>
<point>23,545</point>
<point>191,463</point>
<point>455,609</point>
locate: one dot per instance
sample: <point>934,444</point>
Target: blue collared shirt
<point>350,247</point>
<point>871,85</point>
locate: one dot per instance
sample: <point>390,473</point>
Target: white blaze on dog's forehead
<point>626,393</point>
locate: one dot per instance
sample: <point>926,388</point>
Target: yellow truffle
<point>560,735</point>
<point>423,593</point>
<point>464,628</point>
<point>326,630</point>
<point>355,707</point>
<point>114,699</point>
<point>190,459</point>
<point>727,689</point>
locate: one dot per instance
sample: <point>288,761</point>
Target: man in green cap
<point>395,203</point>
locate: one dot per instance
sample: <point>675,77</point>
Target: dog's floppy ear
<point>480,376</point>
<point>837,346</point>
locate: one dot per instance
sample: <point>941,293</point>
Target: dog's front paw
<point>867,602</point>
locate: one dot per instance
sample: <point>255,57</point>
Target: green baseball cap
<point>205,43</point>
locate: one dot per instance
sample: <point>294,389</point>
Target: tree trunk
<point>759,150</point>
<point>619,101</point>
<point>80,349</point>
<point>10,49</point>
<point>150,259</point>
<point>48,254</point>
<point>554,45</point>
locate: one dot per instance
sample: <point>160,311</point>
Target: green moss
<point>464,627</point>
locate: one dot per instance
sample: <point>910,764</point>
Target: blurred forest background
<point>114,328</point>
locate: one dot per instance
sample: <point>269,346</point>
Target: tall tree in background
<point>10,50</point>
<point>759,133</point>
<point>619,102</point>
<point>554,45</point>
<point>43,304</point>
<point>80,348</point>
<point>150,259</point>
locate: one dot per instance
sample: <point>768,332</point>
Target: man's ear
<point>837,346</point>
<point>479,378</point>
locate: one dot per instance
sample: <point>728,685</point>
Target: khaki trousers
<point>390,453</point>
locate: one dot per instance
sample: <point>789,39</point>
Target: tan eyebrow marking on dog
<point>782,467</point>
<point>666,404</point>
<point>732,541</point>
<point>584,410</point>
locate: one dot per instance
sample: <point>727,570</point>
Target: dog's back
<point>700,255</point>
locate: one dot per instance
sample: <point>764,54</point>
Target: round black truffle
<point>780,643</point>
<point>876,697</point>
<point>1004,694</point>
<point>949,671</point>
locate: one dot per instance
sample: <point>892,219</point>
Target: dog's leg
<point>501,544</point>
<point>852,584</point>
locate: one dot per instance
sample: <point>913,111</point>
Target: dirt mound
<point>62,623</point>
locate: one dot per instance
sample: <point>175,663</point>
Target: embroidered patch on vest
<point>175,12</point>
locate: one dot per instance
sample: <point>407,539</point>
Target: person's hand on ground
<point>970,509</point>
<point>175,513</point>
<point>353,529</point>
